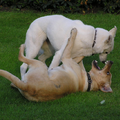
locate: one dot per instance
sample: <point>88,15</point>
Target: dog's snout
<point>103,57</point>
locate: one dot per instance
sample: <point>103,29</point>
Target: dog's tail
<point>21,56</point>
<point>15,80</point>
<point>68,50</point>
<point>30,62</point>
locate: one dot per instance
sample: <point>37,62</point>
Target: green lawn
<point>76,106</point>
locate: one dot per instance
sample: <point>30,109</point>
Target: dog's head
<point>104,42</point>
<point>101,77</point>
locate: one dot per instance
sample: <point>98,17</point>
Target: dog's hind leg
<point>46,51</point>
<point>33,43</point>
<point>23,69</point>
<point>31,62</point>
<point>26,61</point>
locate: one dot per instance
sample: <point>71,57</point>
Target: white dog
<point>57,28</point>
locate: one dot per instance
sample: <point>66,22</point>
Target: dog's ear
<point>113,31</point>
<point>109,40</point>
<point>106,88</point>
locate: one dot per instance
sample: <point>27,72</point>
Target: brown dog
<point>42,84</point>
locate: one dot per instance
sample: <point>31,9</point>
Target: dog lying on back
<point>42,84</point>
<point>56,28</point>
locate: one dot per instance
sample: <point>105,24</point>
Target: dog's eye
<point>106,52</point>
<point>108,73</point>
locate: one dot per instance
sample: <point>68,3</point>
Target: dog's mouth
<point>95,63</point>
<point>107,63</point>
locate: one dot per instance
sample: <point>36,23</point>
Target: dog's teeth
<point>96,61</point>
<point>106,62</point>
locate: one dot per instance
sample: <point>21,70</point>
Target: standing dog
<point>42,84</point>
<point>57,28</point>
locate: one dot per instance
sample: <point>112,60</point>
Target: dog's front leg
<point>65,51</point>
<point>79,60</point>
<point>57,57</point>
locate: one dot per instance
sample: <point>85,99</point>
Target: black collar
<point>94,38</point>
<point>89,81</point>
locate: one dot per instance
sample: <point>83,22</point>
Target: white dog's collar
<point>94,38</point>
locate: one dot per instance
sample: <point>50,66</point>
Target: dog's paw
<point>74,30</point>
<point>22,46</point>
<point>12,85</point>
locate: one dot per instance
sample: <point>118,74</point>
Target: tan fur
<point>43,84</point>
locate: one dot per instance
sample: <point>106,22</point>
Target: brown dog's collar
<point>94,38</point>
<point>89,81</point>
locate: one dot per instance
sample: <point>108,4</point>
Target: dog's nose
<point>103,62</point>
<point>111,62</point>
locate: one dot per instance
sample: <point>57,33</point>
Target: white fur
<point>57,29</point>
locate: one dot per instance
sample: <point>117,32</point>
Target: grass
<point>76,106</point>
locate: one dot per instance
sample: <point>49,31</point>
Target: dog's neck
<point>94,86</point>
<point>89,82</point>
